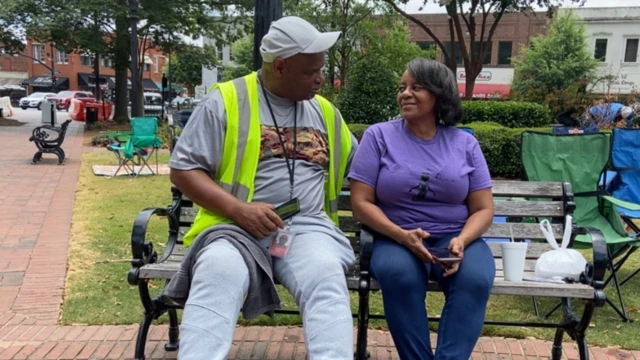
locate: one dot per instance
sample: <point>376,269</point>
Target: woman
<point>421,183</point>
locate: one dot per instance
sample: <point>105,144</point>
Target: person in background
<point>421,183</point>
<point>568,118</point>
<point>628,115</point>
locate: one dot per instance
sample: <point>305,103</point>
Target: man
<point>254,143</point>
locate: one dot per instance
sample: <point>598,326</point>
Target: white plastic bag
<point>559,263</point>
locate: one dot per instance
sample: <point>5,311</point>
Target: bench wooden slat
<point>521,231</point>
<point>166,271</point>
<point>529,208</point>
<point>510,188</point>
<point>534,250</point>
<point>504,188</point>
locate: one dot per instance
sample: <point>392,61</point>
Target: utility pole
<point>266,12</point>
<point>53,71</point>
<point>135,91</point>
<point>97,61</point>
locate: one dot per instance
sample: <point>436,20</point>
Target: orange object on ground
<point>76,110</point>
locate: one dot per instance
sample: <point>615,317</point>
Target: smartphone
<point>444,255</point>
<point>288,209</point>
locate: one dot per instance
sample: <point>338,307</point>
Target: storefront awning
<point>89,80</point>
<point>62,83</point>
<point>10,83</point>
<point>147,84</point>
<point>487,91</point>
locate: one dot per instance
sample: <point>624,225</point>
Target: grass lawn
<point>97,291</point>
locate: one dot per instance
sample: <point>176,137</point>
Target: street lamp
<point>135,91</point>
<point>266,11</point>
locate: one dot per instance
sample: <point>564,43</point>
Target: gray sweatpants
<point>313,271</point>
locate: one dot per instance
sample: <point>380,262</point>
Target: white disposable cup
<point>513,259</point>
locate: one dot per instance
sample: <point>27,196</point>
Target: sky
<point>413,6</point>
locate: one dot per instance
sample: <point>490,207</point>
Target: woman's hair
<point>440,81</point>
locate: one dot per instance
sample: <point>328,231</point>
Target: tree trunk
<point>121,64</point>
<point>470,80</point>
<point>450,61</point>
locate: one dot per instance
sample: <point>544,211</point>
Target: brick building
<point>513,32</point>
<point>13,71</point>
<point>75,71</point>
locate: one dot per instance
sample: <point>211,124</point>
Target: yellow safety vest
<point>241,150</point>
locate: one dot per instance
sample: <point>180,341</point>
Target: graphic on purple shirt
<point>421,183</point>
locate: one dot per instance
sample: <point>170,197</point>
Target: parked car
<point>35,100</point>
<point>63,98</point>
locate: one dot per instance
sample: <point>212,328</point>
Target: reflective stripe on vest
<point>241,150</point>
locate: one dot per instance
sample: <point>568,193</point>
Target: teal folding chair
<point>143,143</point>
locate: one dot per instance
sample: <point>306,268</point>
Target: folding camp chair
<point>142,144</point>
<point>580,159</point>
<point>624,183</point>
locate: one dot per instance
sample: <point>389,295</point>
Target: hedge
<point>500,146</point>
<point>512,114</point>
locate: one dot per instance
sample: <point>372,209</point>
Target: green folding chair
<point>580,159</point>
<point>142,144</point>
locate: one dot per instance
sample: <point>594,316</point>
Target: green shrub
<point>370,93</point>
<point>512,114</point>
<point>358,129</point>
<point>501,147</point>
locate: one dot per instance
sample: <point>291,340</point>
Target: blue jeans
<point>404,280</point>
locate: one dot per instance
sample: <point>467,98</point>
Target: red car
<point>63,99</point>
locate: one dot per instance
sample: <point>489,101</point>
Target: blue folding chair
<point>624,182</point>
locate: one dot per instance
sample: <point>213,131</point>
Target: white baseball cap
<point>626,111</point>
<point>291,35</point>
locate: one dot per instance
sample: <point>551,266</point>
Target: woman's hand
<point>412,239</point>
<point>456,246</point>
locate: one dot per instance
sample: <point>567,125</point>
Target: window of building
<point>505,49</point>
<point>62,57</point>
<point>220,52</point>
<point>39,53</point>
<point>107,62</point>
<point>155,64</point>
<point>600,52</point>
<point>631,51</point>
<point>487,46</point>
<point>147,67</point>
<point>426,45</point>
<point>86,60</point>
<point>458,52</point>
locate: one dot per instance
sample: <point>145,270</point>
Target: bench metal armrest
<point>141,249</point>
<point>366,248</point>
<point>596,271</point>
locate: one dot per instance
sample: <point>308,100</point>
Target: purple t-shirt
<point>421,183</point>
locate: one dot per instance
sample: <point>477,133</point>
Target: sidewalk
<point>35,221</point>
<point>23,341</point>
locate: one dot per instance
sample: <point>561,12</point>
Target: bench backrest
<point>521,204</point>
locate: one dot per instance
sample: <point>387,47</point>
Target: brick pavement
<point>35,220</point>
<point>21,338</point>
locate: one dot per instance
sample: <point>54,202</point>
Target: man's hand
<point>412,239</point>
<point>456,246</point>
<point>258,219</point>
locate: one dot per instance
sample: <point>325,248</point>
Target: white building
<point>212,76</point>
<point>613,36</point>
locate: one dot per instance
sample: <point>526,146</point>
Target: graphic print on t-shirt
<point>421,191</point>
<point>312,144</point>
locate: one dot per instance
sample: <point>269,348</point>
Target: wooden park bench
<point>48,140</point>
<point>535,200</point>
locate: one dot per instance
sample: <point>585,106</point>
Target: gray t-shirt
<point>202,140</point>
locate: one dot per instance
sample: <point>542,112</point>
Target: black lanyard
<point>290,166</point>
